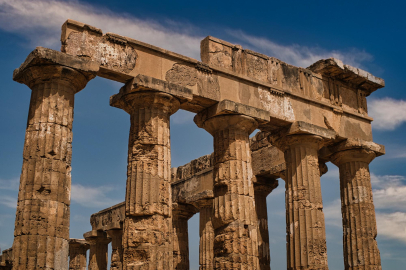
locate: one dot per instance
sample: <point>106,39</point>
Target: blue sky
<point>365,34</point>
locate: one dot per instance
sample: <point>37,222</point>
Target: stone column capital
<point>226,121</point>
<point>97,237</point>
<point>44,65</point>
<point>354,150</point>
<point>302,133</point>
<point>264,185</point>
<point>350,155</point>
<point>185,211</point>
<point>78,243</point>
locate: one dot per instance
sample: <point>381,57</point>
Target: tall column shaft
<point>262,188</point>
<point>41,232</point>
<point>98,254</point>
<point>181,214</point>
<point>147,233</point>
<point>358,211</point>
<point>305,226</point>
<point>116,262</point>
<point>234,220</point>
<point>77,254</point>
<point>206,244</point>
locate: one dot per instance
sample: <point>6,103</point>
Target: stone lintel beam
<point>225,107</point>
<point>42,58</point>
<point>146,83</point>
<point>334,68</point>
<point>109,218</point>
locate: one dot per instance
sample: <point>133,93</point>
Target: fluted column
<point>206,231</point>
<point>116,262</point>
<point>77,254</point>
<point>41,232</point>
<point>181,214</point>
<point>305,226</point>
<point>262,188</point>
<point>98,254</point>
<point>147,232</point>
<point>358,211</point>
<point>234,219</point>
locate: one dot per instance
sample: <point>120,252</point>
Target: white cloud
<point>10,184</point>
<point>92,196</point>
<point>300,55</point>
<point>40,21</point>
<point>388,113</point>
<point>9,201</point>
<point>332,213</point>
<point>389,192</point>
<point>392,225</point>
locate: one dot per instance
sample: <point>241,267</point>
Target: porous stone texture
<point>305,226</point>
<point>206,232</point>
<point>262,188</point>
<point>234,220</point>
<point>41,232</point>
<point>6,259</point>
<point>147,236</point>
<point>181,214</point>
<point>357,208</point>
<point>116,262</point>
<point>98,254</point>
<point>77,254</point>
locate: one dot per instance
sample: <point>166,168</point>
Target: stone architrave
<point>147,235</point>
<point>206,232</point>
<point>234,220</point>
<point>77,254</point>
<point>98,254</point>
<point>41,232</point>
<point>305,226</point>
<point>357,206</point>
<point>116,262</point>
<point>262,188</point>
<point>181,214</point>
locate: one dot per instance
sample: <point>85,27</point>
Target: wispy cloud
<point>388,113</point>
<point>10,184</point>
<point>40,21</point>
<point>392,225</point>
<point>93,196</point>
<point>9,201</point>
<point>389,192</point>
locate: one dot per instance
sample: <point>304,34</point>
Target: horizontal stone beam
<point>328,94</point>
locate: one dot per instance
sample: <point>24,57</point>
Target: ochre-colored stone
<point>357,208</point>
<point>77,254</point>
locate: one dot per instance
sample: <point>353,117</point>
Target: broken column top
<point>335,68</point>
<point>41,57</point>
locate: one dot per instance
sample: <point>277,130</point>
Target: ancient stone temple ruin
<point>306,117</point>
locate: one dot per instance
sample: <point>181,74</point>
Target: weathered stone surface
<point>42,220</point>
<point>77,254</point>
<point>357,207</point>
<point>116,262</point>
<point>262,188</point>
<point>181,214</point>
<point>206,232</point>
<point>6,259</point>
<point>229,72</point>
<point>98,254</point>
<point>305,226</point>
<point>147,238</point>
<point>234,220</point>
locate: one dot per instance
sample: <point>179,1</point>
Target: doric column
<point>262,187</point>
<point>305,226</point>
<point>41,232</point>
<point>77,254</point>
<point>147,235</point>
<point>357,208</point>
<point>181,214</point>
<point>206,231</point>
<point>98,254</point>
<point>234,220</point>
<point>116,262</point>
